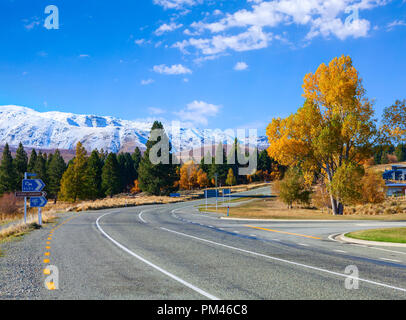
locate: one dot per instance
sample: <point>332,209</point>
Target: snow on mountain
<point>51,130</point>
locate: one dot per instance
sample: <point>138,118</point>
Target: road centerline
<point>174,277</point>
<point>284,232</point>
<point>286,261</point>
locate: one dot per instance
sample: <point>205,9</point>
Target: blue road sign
<point>30,185</point>
<point>226,191</point>
<point>175,195</point>
<point>211,193</point>
<point>38,202</point>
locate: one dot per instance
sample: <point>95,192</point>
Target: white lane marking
<point>340,251</point>
<point>253,235</point>
<point>236,231</point>
<point>140,216</point>
<point>393,260</point>
<point>303,244</point>
<point>187,284</point>
<point>382,249</point>
<point>287,261</point>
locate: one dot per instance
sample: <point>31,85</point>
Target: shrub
<point>373,188</point>
<point>321,198</point>
<point>8,204</point>
<point>293,188</point>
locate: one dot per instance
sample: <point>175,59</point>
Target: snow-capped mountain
<point>51,130</point>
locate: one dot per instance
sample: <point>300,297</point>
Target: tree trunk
<point>337,207</point>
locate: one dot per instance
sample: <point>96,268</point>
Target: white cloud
<point>172,70</point>
<point>84,56</point>
<point>142,41</point>
<point>396,23</point>
<point>30,24</point>
<point>176,4</point>
<point>167,28</point>
<point>147,82</point>
<point>252,39</point>
<point>339,18</point>
<point>198,112</point>
<point>240,66</point>
<point>156,111</point>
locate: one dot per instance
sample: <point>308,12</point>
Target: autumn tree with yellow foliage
<point>334,129</point>
<point>188,176</point>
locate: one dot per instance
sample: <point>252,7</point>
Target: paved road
<point>175,252</point>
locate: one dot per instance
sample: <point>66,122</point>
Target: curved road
<point>174,252</point>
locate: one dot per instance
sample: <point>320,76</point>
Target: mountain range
<point>60,130</point>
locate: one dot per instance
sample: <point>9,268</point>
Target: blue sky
<point>212,64</point>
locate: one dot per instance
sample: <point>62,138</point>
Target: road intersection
<point>173,251</point>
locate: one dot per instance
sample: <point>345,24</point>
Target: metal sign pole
<point>40,216</point>
<point>216,175</point>
<point>25,203</point>
<point>206,198</point>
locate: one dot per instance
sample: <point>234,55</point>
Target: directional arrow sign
<point>38,202</point>
<point>30,185</point>
<point>20,194</point>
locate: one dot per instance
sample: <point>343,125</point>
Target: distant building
<point>395,189</point>
<point>397,173</point>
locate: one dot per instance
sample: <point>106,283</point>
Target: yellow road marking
<point>49,238</point>
<point>47,271</point>
<point>46,260</point>
<point>50,286</point>
<point>290,233</point>
<point>47,254</point>
<point>48,242</point>
<point>48,247</point>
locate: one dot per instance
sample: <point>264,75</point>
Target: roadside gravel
<point>21,264</point>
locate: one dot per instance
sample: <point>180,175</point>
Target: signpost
<point>216,176</point>
<point>32,188</point>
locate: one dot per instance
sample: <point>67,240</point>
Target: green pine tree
<point>157,179</point>
<point>219,166</point>
<point>55,171</point>
<point>127,171</point>
<point>8,176</point>
<point>137,160</point>
<point>400,152</point>
<point>20,164</point>
<point>94,175</point>
<point>111,176</point>
<point>41,170</point>
<point>32,161</point>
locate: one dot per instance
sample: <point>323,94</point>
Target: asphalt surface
<point>175,252</point>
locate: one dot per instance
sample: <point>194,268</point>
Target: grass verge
<point>273,208</point>
<point>18,230</point>
<point>394,235</point>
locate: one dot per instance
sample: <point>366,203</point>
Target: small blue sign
<point>226,191</point>
<point>175,195</point>
<point>211,193</point>
<point>38,202</point>
<point>32,185</point>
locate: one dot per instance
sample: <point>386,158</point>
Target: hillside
<point>58,130</point>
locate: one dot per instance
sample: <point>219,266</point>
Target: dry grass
<point>274,209</point>
<point>383,167</point>
<point>18,229</point>
<point>131,201</point>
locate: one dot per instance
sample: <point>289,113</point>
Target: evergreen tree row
<point>102,174</point>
